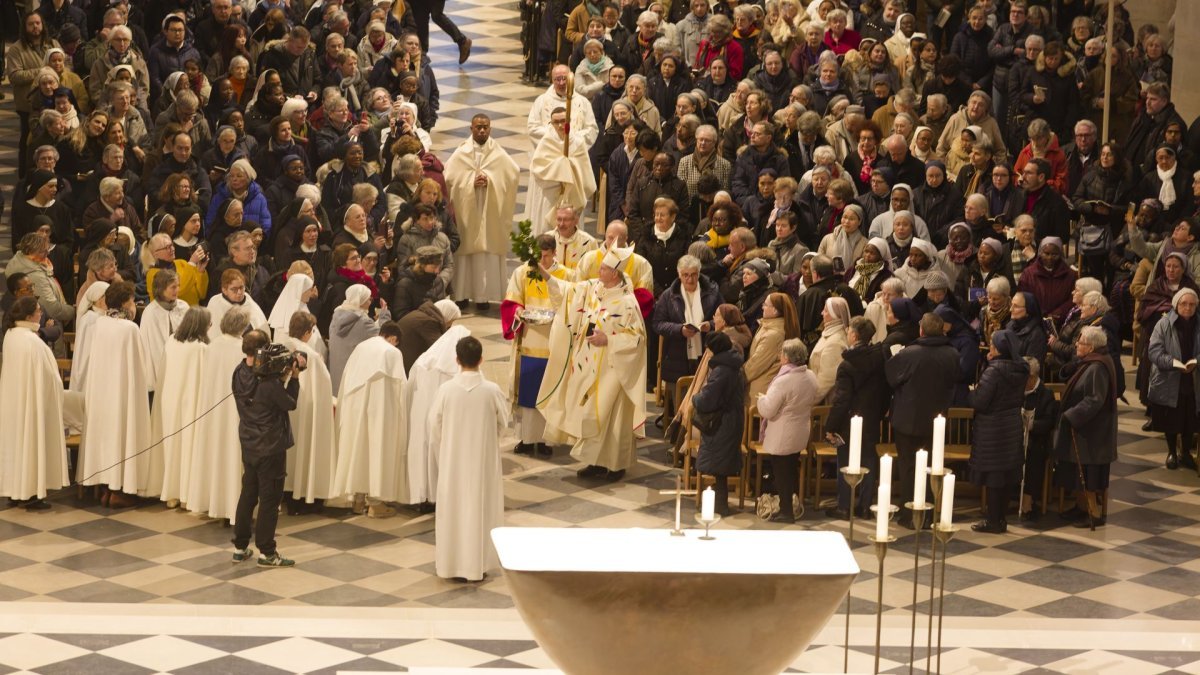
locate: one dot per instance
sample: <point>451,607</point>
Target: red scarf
<point>865,175</point>
<point>360,277</point>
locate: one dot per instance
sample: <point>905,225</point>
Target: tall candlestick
<point>939,444</point>
<point>708,503</point>
<point>856,423</point>
<point>947,500</point>
<point>919,478</point>
<point>882,512</point>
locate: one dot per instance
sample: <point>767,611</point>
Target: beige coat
<point>22,65</point>
<point>826,357</point>
<point>958,122</point>
<point>762,363</point>
<point>786,409</point>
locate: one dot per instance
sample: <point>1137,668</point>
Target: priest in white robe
<point>571,242</point>
<point>525,318</point>
<point>177,402</point>
<point>482,181</point>
<point>33,451</point>
<point>160,318</point>
<point>583,120</point>
<point>467,418</point>
<point>372,423</point>
<point>558,179</point>
<point>215,476</point>
<point>294,297</point>
<point>594,393</point>
<point>92,306</point>
<point>233,294</point>
<point>117,426</point>
<point>427,373</point>
<point>312,461</point>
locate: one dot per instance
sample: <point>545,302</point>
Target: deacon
<point>583,120</point>
<point>428,372</point>
<point>469,414</point>
<point>33,452</point>
<point>482,181</point>
<point>525,317</point>
<point>117,422</point>
<point>594,392</point>
<point>558,177</point>
<point>571,242</point>
<point>372,425</point>
<point>637,268</point>
<point>312,461</point>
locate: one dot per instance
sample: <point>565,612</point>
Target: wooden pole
<point>567,128</point>
<point>1108,66</point>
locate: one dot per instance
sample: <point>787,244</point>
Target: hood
<point>1065,69</point>
<point>732,358</point>
<point>343,323</point>
<point>244,382</point>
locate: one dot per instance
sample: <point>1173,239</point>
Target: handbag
<point>1094,240</point>
<point>707,422</point>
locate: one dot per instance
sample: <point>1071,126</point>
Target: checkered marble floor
<point>90,590</point>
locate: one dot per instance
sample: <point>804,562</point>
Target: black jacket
<point>263,406</point>
<point>1049,213</point>
<point>663,255</point>
<point>997,400</point>
<point>668,321</point>
<point>910,170</point>
<point>923,376</point>
<point>725,391</point>
<point>861,388</point>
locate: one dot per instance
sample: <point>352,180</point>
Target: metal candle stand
<point>881,547</point>
<point>935,482</point>
<point>707,523</point>
<point>942,534</point>
<point>919,512</point>
<point>852,478</point>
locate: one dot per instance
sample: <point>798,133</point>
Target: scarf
<point>845,243</point>
<point>693,313</point>
<point>865,174</point>
<point>994,321</point>
<point>960,257</point>
<point>597,67</point>
<point>1092,360</point>
<point>359,277</point>
<point>349,87</point>
<point>1166,193</point>
<point>665,236</point>
<point>863,273</point>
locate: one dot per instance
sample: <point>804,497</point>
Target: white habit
<point>215,477</point>
<point>372,424</point>
<point>158,324</point>
<point>85,318</point>
<point>289,303</point>
<point>557,180</point>
<point>33,450</point>
<point>312,461</point>
<point>583,120</point>
<point>117,410</point>
<point>437,365</point>
<point>219,306</point>
<point>176,406</point>
<point>484,216</point>
<point>466,421</point>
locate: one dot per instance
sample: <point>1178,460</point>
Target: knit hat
<point>429,254</point>
<point>761,267</point>
<point>936,281</point>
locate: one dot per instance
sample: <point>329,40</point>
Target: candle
<point>678,500</point>
<point>947,500</point>
<point>919,478</point>
<point>882,511</point>
<point>855,443</point>
<point>885,473</point>
<point>708,503</point>
<point>939,444</point>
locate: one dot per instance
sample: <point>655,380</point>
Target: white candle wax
<point>885,473</point>
<point>919,478</point>
<point>881,514</point>
<point>939,444</point>
<point>708,502</point>
<point>678,500</point>
<point>855,462</point>
<point>947,500</point>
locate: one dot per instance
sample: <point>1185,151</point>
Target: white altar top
<point>759,552</point>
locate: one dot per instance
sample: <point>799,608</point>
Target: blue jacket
<point>254,207</point>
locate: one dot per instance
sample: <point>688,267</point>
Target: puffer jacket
<point>997,401</point>
<point>254,207</point>
<point>725,391</point>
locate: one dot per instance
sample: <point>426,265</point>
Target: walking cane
<point>1089,498</point>
<point>1026,426</point>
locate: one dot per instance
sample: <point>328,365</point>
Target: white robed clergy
<point>593,395</point>
<point>160,318</point>
<point>117,410</point>
<point>294,297</point>
<point>215,476</point>
<point>482,181</point>
<point>556,179</point>
<point>91,307</point>
<point>466,420</point>
<point>33,450</point>
<point>433,368</point>
<point>312,461</point>
<point>177,402</point>
<point>372,424</point>
<point>233,294</point>
<point>583,120</point>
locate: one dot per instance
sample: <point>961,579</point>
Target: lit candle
<point>947,500</point>
<point>855,443</point>
<point>939,444</point>
<point>708,503</point>
<point>919,478</point>
<point>881,514</point>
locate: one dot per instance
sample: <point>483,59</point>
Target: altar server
<point>427,374</point>
<point>33,452</point>
<point>466,421</point>
<point>594,393</point>
<point>177,403</point>
<point>312,461</point>
<point>117,425</point>
<point>558,179</point>
<point>372,425</point>
<point>482,180</point>
<point>233,294</point>
<point>160,318</point>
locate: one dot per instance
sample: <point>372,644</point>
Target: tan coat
<point>22,64</point>
<point>958,122</point>
<point>826,357</point>
<point>762,362</point>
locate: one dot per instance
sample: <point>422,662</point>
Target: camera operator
<point>264,393</point>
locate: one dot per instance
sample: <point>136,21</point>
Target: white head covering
<point>450,311</point>
<point>93,293</point>
<point>128,232</point>
<point>927,248</point>
<point>413,108</point>
<point>880,244</point>
<point>289,301</point>
<point>356,296</point>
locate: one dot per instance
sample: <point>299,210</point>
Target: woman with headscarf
<point>1174,378</point>
<point>900,241</point>
<point>350,326</point>
<point>1026,324</point>
<point>346,271</point>
<point>41,199</point>
<point>827,353</point>
<point>903,323</point>
<point>965,341</point>
<point>1005,200</point>
<point>187,231</point>
<point>1157,301</point>
<point>922,260</point>
<point>265,104</point>
<point>847,241</point>
<point>1167,182</point>
<point>89,307</point>
<point>938,201</point>
<point>957,257</point>
<point>994,309</point>
<point>756,285</point>
<point>997,453</point>
<point>295,297</point>
<point>775,78</point>
<point>1086,441</point>
<point>300,238</point>
<point>1050,279</point>
<point>867,275</point>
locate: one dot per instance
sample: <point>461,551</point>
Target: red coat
<point>1052,289</point>
<point>731,51</point>
<point>1059,179</point>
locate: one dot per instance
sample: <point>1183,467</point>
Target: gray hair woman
<point>1174,348</point>
<point>786,410</point>
<point>1087,432</point>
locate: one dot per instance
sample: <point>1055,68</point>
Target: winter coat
<point>923,376</point>
<point>752,161</point>
<point>786,410</point>
<point>762,361</point>
<point>827,356</point>
<point>971,47</point>
<point>1031,337</point>
<point>941,207</point>
<point>1052,288</point>
<point>663,255</point>
<point>297,74</point>
<point>1164,349</point>
<point>1111,187</point>
<point>347,330</point>
<point>860,388</point>
<point>1089,413</point>
<point>1150,184</point>
<point>254,207</point>
<point>414,289</point>
<point>164,60</point>
<point>264,427</point>
<point>997,435</point>
<point>419,329</point>
<point>21,64</point>
<point>720,454</point>
<point>668,321</point>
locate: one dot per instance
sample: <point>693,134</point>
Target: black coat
<point>750,162</point>
<point>923,376</point>
<point>861,388</point>
<point>909,170</point>
<point>668,321</point>
<point>971,47</point>
<point>1049,213</point>
<point>998,437</point>
<point>1031,337</point>
<point>263,405</point>
<point>663,255</point>
<point>1089,413</point>
<point>1111,187</point>
<point>725,391</point>
<point>941,207</point>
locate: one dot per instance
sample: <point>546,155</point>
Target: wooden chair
<point>69,340</point>
<point>819,450</point>
<point>659,393</point>
<point>755,463</point>
<point>64,370</point>
<point>681,387</point>
<point>958,434</point>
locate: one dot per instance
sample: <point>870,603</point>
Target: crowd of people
<point>802,206</point>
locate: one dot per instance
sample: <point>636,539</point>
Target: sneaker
<point>242,554</point>
<point>275,560</point>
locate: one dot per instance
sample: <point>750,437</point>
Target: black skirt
<point>1095,476</point>
<point>1180,419</point>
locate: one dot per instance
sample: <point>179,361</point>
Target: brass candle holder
<point>935,484</point>
<point>852,478</point>
<point>919,513</point>
<point>941,533</point>
<point>707,523</point>
<point>881,548</point>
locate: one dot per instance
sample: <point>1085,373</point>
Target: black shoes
<point>786,519</point>
<point>1148,426</point>
<point>592,471</point>
<point>1187,461</point>
<point>837,514</point>
<point>543,449</point>
<point>1172,462</point>
<point>990,528</point>
<point>1085,523</point>
<point>524,449</point>
<point>613,476</point>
